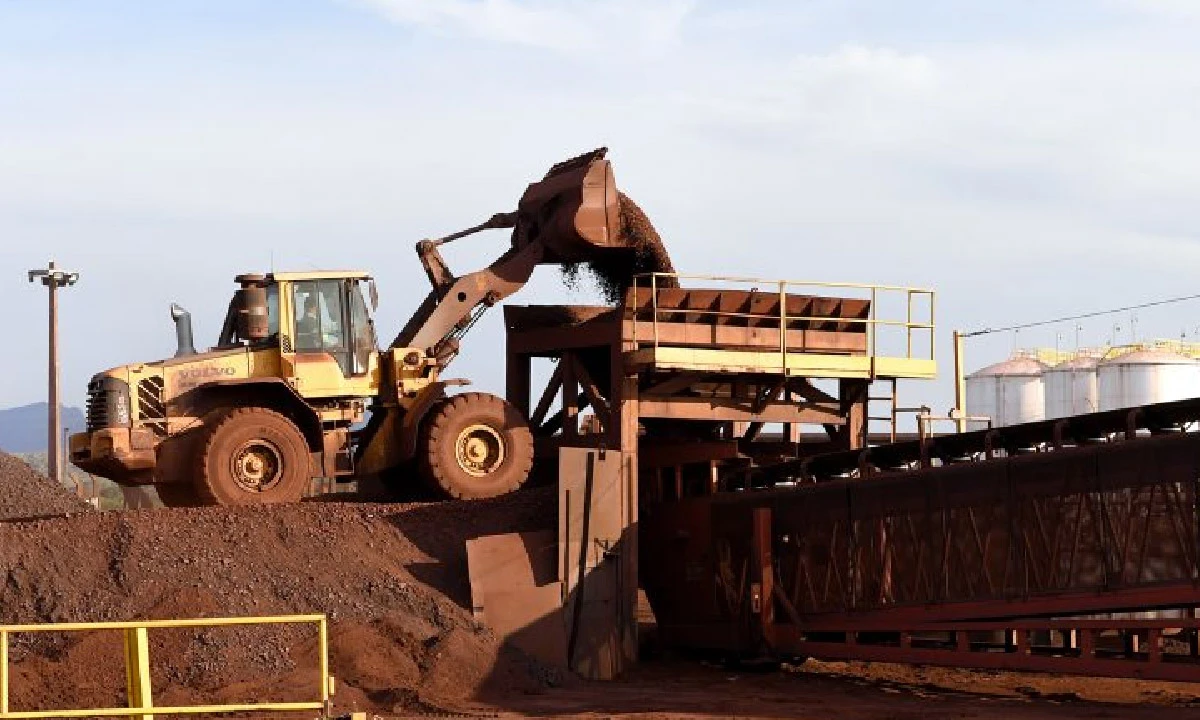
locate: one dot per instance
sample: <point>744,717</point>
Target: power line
<point>1055,321</point>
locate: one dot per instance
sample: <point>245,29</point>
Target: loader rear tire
<point>475,446</point>
<point>251,456</point>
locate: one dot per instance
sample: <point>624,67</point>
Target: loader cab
<point>320,325</point>
<point>331,318</point>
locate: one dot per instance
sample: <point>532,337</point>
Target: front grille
<point>107,403</point>
<point>97,405</point>
<point>151,410</point>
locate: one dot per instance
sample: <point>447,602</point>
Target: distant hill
<point>23,429</point>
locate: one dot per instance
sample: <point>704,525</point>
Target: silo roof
<point>1150,357</point>
<point>1083,362</point>
<point>1012,367</point>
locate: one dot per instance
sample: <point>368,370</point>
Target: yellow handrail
<point>790,283</point>
<point>910,323</point>
<point>137,668</point>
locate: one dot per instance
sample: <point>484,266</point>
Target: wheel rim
<point>257,466</point>
<point>479,450</point>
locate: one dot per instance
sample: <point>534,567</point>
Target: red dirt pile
<point>25,493</point>
<point>392,579</point>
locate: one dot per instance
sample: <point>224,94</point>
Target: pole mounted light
<point>52,275</point>
<point>53,278</point>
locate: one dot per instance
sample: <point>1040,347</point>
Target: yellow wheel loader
<point>297,369</point>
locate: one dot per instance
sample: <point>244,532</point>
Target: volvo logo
<point>206,372</point>
<point>189,378</point>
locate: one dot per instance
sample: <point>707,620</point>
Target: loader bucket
<point>573,211</point>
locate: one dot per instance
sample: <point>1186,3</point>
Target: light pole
<point>54,278</point>
<point>960,384</point>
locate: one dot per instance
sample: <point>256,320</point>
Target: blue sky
<point>1026,159</point>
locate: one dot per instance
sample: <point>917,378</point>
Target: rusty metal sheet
<point>515,592</point>
<point>595,512</point>
<point>512,560</point>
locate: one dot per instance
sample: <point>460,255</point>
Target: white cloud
<point>878,66</point>
<point>573,26</point>
<point>1174,9</point>
<point>1107,129</point>
<point>1014,175</point>
<point>850,91</point>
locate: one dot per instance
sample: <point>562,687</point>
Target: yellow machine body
<point>298,355</point>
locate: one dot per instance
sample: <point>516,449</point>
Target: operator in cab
<point>308,325</point>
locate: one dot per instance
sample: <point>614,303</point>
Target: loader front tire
<point>251,456</point>
<point>475,446</point>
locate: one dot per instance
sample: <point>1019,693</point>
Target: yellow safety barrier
<point>137,668</point>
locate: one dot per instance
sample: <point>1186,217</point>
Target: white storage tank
<point>1147,376</point>
<point>1072,388</point>
<point>1008,392</point>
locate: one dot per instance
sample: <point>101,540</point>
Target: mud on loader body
<point>296,368</point>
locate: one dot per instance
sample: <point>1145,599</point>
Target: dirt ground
<point>852,691</point>
<point>26,493</point>
<point>392,578</point>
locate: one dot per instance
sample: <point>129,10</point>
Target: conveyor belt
<point>1091,514</point>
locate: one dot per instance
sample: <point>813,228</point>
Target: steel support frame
<point>745,401</point>
<point>1103,518</point>
<point>735,404</point>
<point>581,350</point>
<point>1107,648</point>
<point>1001,545</point>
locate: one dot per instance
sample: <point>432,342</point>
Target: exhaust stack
<point>183,331</point>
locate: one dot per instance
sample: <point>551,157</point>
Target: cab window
<point>361,326</point>
<point>320,317</point>
<point>273,310</point>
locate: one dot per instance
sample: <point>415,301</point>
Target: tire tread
<point>435,432</point>
<point>208,483</point>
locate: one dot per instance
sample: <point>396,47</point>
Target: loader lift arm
<point>453,304</point>
<point>571,215</point>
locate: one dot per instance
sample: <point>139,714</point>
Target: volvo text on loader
<point>296,369</point>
